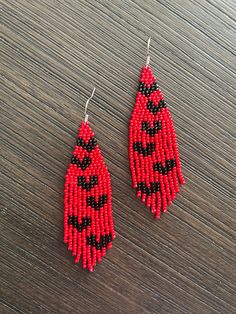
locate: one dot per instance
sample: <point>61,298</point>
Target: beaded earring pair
<point>155,170</point>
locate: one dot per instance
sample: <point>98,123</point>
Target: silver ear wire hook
<point>148,48</point>
<point>86,105</point>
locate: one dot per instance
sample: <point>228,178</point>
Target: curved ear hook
<point>148,48</point>
<point>86,105</point>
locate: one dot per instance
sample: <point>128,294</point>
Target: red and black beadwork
<point>88,222</point>
<point>153,151</point>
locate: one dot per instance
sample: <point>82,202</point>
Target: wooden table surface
<point>52,55</point>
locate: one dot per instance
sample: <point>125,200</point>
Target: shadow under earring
<point>88,221</point>
<point>153,151</point>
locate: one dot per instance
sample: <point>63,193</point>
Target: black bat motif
<point>169,165</point>
<point>89,146</point>
<point>93,180</point>
<point>145,151</point>
<point>151,131</point>
<point>97,205</point>
<point>155,108</point>
<point>154,187</point>
<point>104,240</point>
<point>85,163</point>
<point>73,220</point>
<point>147,91</point>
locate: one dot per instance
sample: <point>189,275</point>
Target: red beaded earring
<point>88,222</point>
<point>153,151</point>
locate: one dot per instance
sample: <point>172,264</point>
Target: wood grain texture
<point>52,54</point>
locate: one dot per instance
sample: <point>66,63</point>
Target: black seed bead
<point>109,238</point>
<point>89,240</point>
<point>94,141</point>
<point>139,186</point>
<point>162,103</point>
<point>98,245</point>
<point>169,165</point>
<point>149,105</point>
<point>80,180</point>
<point>144,125</point>
<point>104,242</point>
<point>74,160</point>
<point>79,141</point>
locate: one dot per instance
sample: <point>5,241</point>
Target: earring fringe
<point>153,151</point>
<point>88,222</point>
